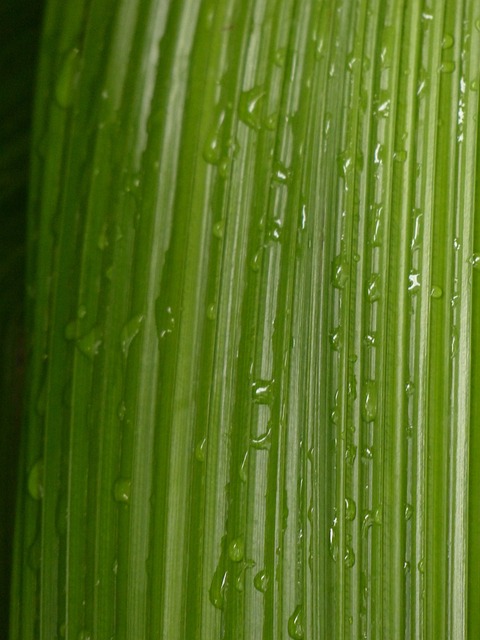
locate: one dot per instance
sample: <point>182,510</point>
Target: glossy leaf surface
<point>254,277</point>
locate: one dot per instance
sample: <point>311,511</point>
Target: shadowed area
<point>20,22</point>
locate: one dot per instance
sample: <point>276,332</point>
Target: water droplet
<point>327,124</point>
<point>349,558</point>
<point>352,60</point>
<point>436,292</point>
<point>417,230</point>
<point>477,24</point>
<point>239,582</point>
<point>84,635</point>
<point>332,540</point>
<point>379,154</point>
<point>370,340</point>
<point>423,83</point>
<point>336,339</point>
<point>212,149</point>
<point>255,262</point>
<point>335,416</point>
<point>218,228</point>
<point>219,582</point>
<point>345,164</point>
<point>280,173</point>
<point>261,581</point>
<point>236,550</point>
<point>369,408</point>
<point>454,343</point>
<point>474,85</point>
<point>233,147</point>
<point>200,450</point>
<point>447,66</point>
<point>410,388</point>
<point>475,261</point>
<point>121,490</point>
<point>373,288</point>
<point>263,441</point>
<point>165,321</point>
<point>414,281</point>
<point>212,311</point>
<point>295,624</point>
<point>377,225</point>
<point>274,230</point>
<point>90,343</point>
<point>408,511</point>
<point>350,453</point>
<point>250,107</point>
<point>421,566</point>
<point>224,167</point>
<point>400,156</point>
<point>35,480</point>
<point>350,509</point>
<point>382,105</point>
<point>303,216</point>
<point>67,78</point>
<point>367,453</point>
<point>368,521</point>
<point>263,391</point>
<point>406,567</point>
<point>311,513</point>
<point>129,332</point>
<point>447,42</point>
<point>339,272</point>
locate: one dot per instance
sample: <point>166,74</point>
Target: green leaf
<point>253,267</point>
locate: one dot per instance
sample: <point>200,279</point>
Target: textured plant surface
<point>254,314</point>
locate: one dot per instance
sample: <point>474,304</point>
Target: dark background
<point>20,25</point>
